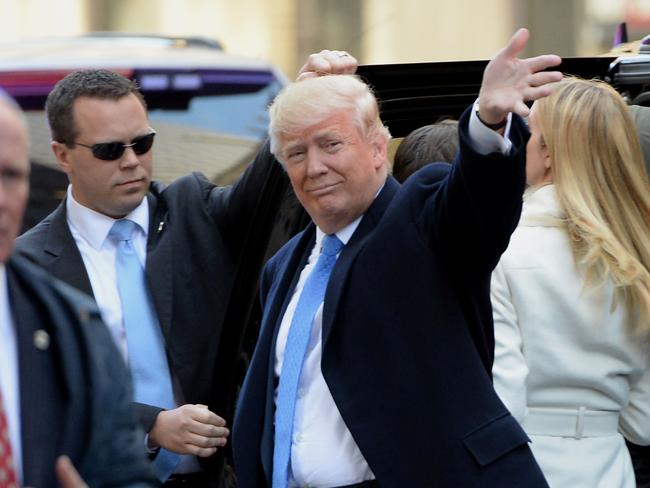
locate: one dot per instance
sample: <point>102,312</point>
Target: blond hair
<point>602,186</point>
<point>309,102</point>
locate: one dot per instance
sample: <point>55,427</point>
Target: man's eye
<point>12,174</point>
<point>332,145</point>
<point>295,155</point>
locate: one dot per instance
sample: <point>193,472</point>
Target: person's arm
<point>634,422</point>
<point>115,455</point>
<point>471,212</point>
<point>510,369</point>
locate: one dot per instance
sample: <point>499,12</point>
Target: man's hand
<point>190,429</point>
<point>67,474</point>
<point>508,82</point>
<point>328,63</point>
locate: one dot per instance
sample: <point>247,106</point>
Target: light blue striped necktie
<point>313,294</point>
<point>146,345</point>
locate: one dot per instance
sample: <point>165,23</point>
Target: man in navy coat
<point>65,394</point>
<point>393,385</point>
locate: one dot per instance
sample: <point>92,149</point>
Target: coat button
<point>41,339</point>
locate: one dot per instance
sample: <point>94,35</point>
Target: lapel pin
<point>84,314</point>
<point>41,339</point>
<point>160,226</point>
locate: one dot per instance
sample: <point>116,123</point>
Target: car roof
<point>169,70</point>
<point>120,51</point>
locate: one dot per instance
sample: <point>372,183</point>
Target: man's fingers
<point>540,63</point>
<point>205,416</point>
<point>203,446</point>
<point>202,451</point>
<point>208,430</point>
<point>517,43</point>
<point>202,441</point>
<point>327,62</point>
<point>521,108</point>
<point>315,63</point>
<point>544,77</point>
<point>535,93</point>
<point>67,474</point>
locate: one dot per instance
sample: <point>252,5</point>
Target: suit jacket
<point>407,331</point>
<point>196,232</point>
<point>75,391</point>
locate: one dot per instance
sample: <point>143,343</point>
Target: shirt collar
<point>344,235</point>
<point>94,226</point>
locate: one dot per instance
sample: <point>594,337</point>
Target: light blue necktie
<point>313,294</point>
<point>147,359</point>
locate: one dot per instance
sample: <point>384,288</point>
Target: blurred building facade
<point>376,31</point>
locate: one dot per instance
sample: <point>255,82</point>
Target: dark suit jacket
<point>407,332</point>
<point>196,232</point>
<point>74,394</point>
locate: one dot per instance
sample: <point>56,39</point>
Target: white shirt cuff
<point>146,446</point>
<point>483,139</point>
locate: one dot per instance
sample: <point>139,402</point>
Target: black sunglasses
<point>110,151</point>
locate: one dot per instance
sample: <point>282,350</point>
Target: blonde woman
<point>571,294</point>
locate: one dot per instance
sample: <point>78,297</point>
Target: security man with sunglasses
<point>159,261</point>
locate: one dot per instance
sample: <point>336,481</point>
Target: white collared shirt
<point>9,375</point>
<point>90,231</point>
<point>323,452</point>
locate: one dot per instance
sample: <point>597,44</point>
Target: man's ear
<point>380,151</point>
<point>62,154</point>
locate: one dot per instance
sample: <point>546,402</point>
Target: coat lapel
<point>65,261</point>
<point>289,273</point>
<point>159,262</point>
<point>335,286</point>
<point>42,397</point>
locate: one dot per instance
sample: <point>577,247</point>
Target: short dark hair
<point>435,143</point>
<point>93,83</point>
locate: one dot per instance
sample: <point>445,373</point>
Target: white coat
<point>566,362</point>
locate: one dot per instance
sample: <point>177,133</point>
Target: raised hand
<point>508,81</point>
<point>328,63</point>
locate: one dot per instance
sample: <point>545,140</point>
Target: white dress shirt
<point>90,231</point>
<point>323,452</point>
<point>9,375</point>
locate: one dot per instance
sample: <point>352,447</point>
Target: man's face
<point>334,171</point>
<point>14,178</point>
<point>113,188</point>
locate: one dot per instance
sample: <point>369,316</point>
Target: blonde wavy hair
<point>602,185</point>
